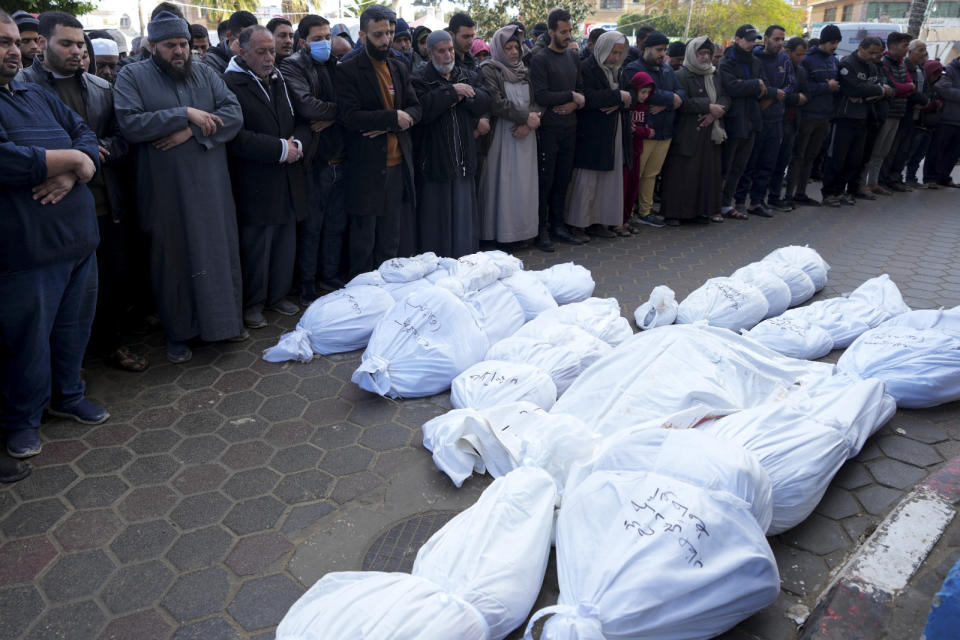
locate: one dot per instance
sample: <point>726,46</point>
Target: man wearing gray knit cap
<point>179,116</point>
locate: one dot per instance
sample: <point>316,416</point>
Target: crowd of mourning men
<point>291,158</point>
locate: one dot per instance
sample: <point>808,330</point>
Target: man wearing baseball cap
<point>741,75</point>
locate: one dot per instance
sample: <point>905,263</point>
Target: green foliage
<point>490,15</point>
<point>357,7</point>
<point>718,19</point>
<point>224,8</point>
<point>73,7</point>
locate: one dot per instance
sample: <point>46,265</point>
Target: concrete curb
<point>858,601</point>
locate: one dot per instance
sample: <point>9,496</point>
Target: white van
<point>854,33</point>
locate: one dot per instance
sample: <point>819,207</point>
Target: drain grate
<point>397,547</point>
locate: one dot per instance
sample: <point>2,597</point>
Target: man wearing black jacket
<point>554,78</point>
<point>796,48</point>
<point>309,77</point>
<point>267,176</point>
<point>860,85</point>
<point>450,100</point>
<point>219,56</point>
<point>377,107</point>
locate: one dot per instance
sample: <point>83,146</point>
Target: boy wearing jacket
<point>643,86</point>
<point>860,86</point>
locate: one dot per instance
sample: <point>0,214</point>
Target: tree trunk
<point>918,9</point>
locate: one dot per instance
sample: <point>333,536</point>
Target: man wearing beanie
<point>29,37</point>
<point>219,56</point>
<point>664,102</point>
<point>822,67</point>
<point>446,150</point>
<point>742,79</point>
<point>675,54</point>
<point>180,116</point>
<point>141,51</point>
<point>377,106</point>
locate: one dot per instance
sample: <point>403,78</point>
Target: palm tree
<point>356,7</point>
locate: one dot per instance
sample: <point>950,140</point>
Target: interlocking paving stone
<point>21,606</point>
<point>801,572</point>
<point>199,449</point>
<point>143,541</point>
<point>59,452</point>
<point>319,387</point>
<point>143,624</point>
<point>246,454</point>
<point>250,483</point>
<point>254,554</point>
<point>286,434</point>
<point>261,602</point>
<point>256,514</point>
<point>352,486</point>
<point>373,412</point>
<point>98,491</point>
<point>346,460</point>
<point>104,460</point>
<point>210,629</point>
<point>200,478</point>
<point>838,503</point>
<point>32,518</point>
<point>240,404</point>
<point>199,400</point>
<point>197,378</point>
<point>87,529</point>
<point>306,485</point>
<point>155,441</point>
<point>199,510</point>
<point>52,481</point>
<point>199,422</point>
<point>877,500</point>
<point>147,503</point>
<point>22,560</point>
<point>336,435</point>
<point>909,451</point>
<point>277,384</point>
<point>76,575</point>
<point>243,428</point>
<point>198,594</point>
<point>200,548</point>
<point>150,470</point>
<point>385,437</point>
<point>304,516</point>
<point>76,620</point>
<point>818,535</point>
<point>159,417</point>
<point>917,429</point>
<point>136,587</point>
<point>295,458</point>
<point>894,473</point>
<point>326,411</point>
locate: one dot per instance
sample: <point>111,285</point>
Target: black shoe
<point>543,241</point>
<point>779,205</point>
<point>803,200</point>
<point>760,210</point>
<point>863,194</point>
<point>332,284</point>
<point>12,470</point>
<point>511,246</point>
<point>848,200</point>
<point>831,201</point>
<point>651,220</point>
<point>560,234</point>
<point>671,222</point>
<point>899,188</point>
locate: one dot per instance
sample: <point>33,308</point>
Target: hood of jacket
<point>642,79</point>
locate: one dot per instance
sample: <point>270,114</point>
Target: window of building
<point>124,21</point>
<point>830,15</point>
<point>945,10</point>
<point>847,14</point>
<point>611,4</point>
<point>876,10</point>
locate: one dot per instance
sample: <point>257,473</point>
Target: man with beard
<point>283,38</point>
<point>462,30</point>
<point>140,49</point>
<point>780,79</point>
<point>106,54</point>
<point>218,57</point>
<point>446,151</point>
<point>181,115</point>
<point>91,98</point>
<point>309,77</point>
<point>29,28</point>
<point>554,78</point>
<point>267,176</point>
<point>48,272</point>
<point>377,107</point>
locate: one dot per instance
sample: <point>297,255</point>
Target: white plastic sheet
<point>494,382</point>
<point>804,257</point>
<point>800,285</point>
<point>794,337</point>
<point>420,345</point>
<point>724,302</point>
<point>339,321</point>
<point>567,282</point>
<point>588,347</point>
<point>683,367</point>
<point>408,269</point>
<point>464,585</point>
<point>531,293</point>
<point>561,364</point>
<point>495,310</point>
<point>659,310</point>
<point>920,367</point>
<point>501,438</point>
<point>774,289</point>
<point>600,317</point>
<point>803,443</point>
<point>651,554</point>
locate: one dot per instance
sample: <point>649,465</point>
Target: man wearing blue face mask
<point>309,76</point>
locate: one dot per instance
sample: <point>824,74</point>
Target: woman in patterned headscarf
<point>509,199</point>
<point>595,203</point>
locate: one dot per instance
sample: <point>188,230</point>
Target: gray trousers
<point>266,260</point>
<point>881,147</point>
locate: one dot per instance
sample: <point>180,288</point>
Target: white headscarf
<point>691,64</point>
<point>601,51</point>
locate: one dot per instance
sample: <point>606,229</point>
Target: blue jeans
<point>756,178</point>
<point>784,156</point>
<point>320,234</point>
<point>45,320</point>
<point>918,150</point>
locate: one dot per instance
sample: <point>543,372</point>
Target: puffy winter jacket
<point>667,85</point>
<point>949,89</point>
<point>860,86</point>
<point>895,72</point>
<point>740,74</point>
<point>778,73</point>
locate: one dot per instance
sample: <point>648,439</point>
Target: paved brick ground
<point>221,488</point>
